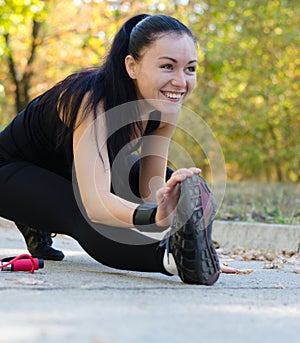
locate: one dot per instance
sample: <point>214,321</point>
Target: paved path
<point>80,301</point>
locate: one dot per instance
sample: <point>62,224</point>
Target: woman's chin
<point>166,106</point>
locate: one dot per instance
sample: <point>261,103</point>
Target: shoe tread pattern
<point>192,247</point>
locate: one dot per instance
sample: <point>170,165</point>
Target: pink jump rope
<point>22,262</point>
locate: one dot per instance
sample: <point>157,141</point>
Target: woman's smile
<point>173,96</point>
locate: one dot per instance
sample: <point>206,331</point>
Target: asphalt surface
<point>81,301</point>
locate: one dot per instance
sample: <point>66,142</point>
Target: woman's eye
<point>167,66</point>
<point>191,69</point>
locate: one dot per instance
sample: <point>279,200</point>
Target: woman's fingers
<point>181,174</point>
<point>228,270</point>
<point>187,171</point>
<point>195,170</point>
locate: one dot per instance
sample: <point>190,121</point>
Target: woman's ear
<point>130,65</point>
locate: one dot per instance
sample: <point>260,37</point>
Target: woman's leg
<point>134,175</point>
<point>44,200</point>
<point>125,178</point>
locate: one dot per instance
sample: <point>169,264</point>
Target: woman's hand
<point>167,196</point>
<point>228,270</point>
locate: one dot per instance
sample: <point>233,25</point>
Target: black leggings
<point>41,199</point>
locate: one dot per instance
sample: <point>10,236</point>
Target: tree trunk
<point>22,85</point>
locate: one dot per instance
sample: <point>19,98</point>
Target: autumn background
<point>248,81</point>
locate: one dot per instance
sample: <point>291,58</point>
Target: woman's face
<point>166,70</point>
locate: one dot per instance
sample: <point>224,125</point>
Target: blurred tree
<point>20,19</point>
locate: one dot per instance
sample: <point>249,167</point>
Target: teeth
<point>172,95</point>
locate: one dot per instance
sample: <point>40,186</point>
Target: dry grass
<point>261,202</point>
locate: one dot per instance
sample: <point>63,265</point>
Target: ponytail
<point>117,82</point>
<point>120,89</point>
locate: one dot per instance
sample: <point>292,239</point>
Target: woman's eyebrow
<point>175,61</point>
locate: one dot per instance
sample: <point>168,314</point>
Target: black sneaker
<point>39,244</point>
<point>191,244</point>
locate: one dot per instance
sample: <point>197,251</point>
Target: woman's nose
<point>179,80</point>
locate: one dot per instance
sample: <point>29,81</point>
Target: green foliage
<point>261,202</point>
<point>249,84</point>
<point>20,22</point>
<point>13,12</point>
<point>248,75</point>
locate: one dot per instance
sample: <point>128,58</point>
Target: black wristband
<point>144,217</point>
<point>144,214</point>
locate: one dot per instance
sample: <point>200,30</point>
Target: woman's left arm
<point>153,164</point>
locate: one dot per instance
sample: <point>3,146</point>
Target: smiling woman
<point>167,71</point>
<point>67,162</point>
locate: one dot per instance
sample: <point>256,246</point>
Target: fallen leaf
<point>30,282</point>
<point>278,287</point>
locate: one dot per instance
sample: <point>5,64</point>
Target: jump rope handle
<point>22,262</point>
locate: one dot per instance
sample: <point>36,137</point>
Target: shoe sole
<point>193,250</point>
<point>51,255</point>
